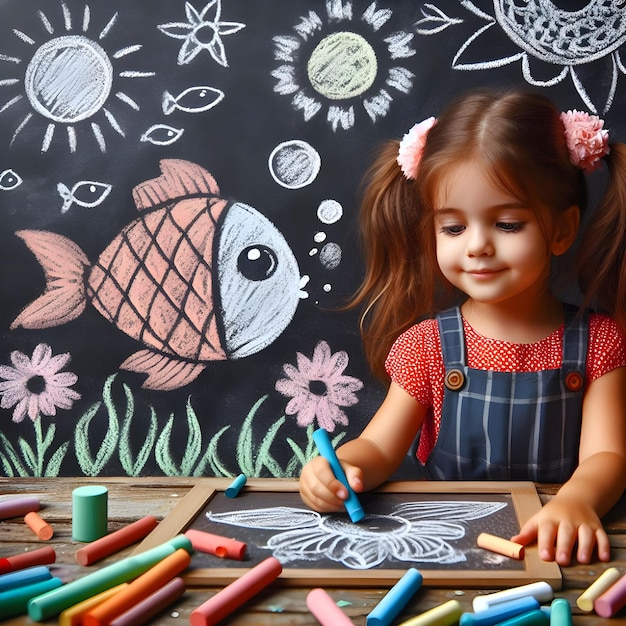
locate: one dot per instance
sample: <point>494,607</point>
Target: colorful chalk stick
<point>220,546</point>
<point>540,590</point>
<point>152,605</point>
<point>395,599</point>
<point>560,612</point>
<point>116,541</point>
<point>501,546</point>
<point>612,600</point>
<point>232,491</point>
<point>231,597</point>
<point>39,526</point>
<point>26,576</point>
<point>73,616</point>
<point>325,609</point>
<point>18,506</point>
<point>446,614</point>
<point>500,612</point>
<point>325,447</point>
<point>597,588</point>
<point>15,601</point>
<point>90,505</point>
<point>40,556</point>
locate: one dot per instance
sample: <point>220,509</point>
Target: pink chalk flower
<point>412,147</point>
<point>35,386</point>
<point>587,141</point>
<point>318,388</point>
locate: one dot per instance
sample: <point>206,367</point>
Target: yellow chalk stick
<point>73,616</point>
<point>445,614</point>
<point>597,588</point>
<point>500,545</point>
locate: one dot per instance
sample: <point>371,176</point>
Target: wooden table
<point>133,498</point>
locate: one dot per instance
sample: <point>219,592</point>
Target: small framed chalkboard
<point>431,526</point>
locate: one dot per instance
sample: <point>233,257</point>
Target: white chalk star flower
<point>202,31</point>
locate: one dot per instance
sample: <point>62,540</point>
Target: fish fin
<point>63,264</point>
<point>179,179</point>
<point>164,373</point>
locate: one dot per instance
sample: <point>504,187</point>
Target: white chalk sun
<point>343,63</point>
<point>69,79</point>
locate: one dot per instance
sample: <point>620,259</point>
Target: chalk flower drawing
<point>69,79</point>
<point>584,45</point>
<point>419,532</point>
<point>195,278</point>
<point>318,388</point>
<point>35,386</point>
<point>202,31</point>
<point>343,62</point>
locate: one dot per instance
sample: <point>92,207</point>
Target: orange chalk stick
<point>139,589</point>
<point>73,616</point>
<point>41,556</point>
<point>500,545</point>
<point>39,526</point>
<point>116,541</point>
<point>217,545</point>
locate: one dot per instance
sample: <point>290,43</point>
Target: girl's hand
<point>321,491</point>
<point>561,524</point>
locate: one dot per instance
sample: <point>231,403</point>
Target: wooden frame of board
<point>525,500</point>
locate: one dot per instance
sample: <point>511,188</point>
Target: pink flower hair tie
<point>587,141</point>
<point>412,147</point>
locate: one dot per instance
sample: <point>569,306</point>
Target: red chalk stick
<point>139,589</point>
<point>325,610</point>
<point>152,605</point>
<point>215,544</point>
<point>116,541</point>
<point>41,556</point>
<point>18,507</point>
<point>39,526</point>
<point>612,600</point>
<point>235,594</point>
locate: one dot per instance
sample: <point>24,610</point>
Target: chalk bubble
<point>294,164</point>
<point>329,211</point>
<point>330,256</point>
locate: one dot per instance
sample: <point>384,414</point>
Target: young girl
<point>461,223</point>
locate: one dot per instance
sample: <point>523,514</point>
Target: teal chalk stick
<point>325,447</point>
<point>15,601</point>
<point>52,603</point>
<point>232,491</point>
<point>532,618</point>
<point>560,612</point>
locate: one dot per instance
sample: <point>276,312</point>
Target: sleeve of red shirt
<point>607,346</point>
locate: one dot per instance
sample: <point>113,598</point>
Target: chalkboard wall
<point>192,325</point>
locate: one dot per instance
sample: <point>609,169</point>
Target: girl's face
<point>489,245</point>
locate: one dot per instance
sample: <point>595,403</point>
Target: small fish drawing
<point>195,278</point>
<point>192,100</point>
<point>85,193</point>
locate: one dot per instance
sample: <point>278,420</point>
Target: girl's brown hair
<point>519,139</point>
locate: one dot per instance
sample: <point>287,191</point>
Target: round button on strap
<point>454,379</point>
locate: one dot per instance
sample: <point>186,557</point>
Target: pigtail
<point>601,260</point>
<point>394,267</point>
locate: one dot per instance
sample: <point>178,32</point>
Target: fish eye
<point>257,262</point>
<point>9,179</point>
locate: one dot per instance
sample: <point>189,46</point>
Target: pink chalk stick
<point>612,600</point>
<point>19,506</point>
<point>235,594</point>
<point>326,610</point>
<point>152,605</point>
<point>215,544</point>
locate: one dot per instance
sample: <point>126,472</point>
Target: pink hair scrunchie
<point>586,139</point>
<point>412,147</point>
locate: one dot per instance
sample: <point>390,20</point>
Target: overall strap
<point>575,341</point>
<point>452,337</point>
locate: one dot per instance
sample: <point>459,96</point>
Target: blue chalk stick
<point>499,612</point>
<point>232,491</point>
<point>26,576</point>
<point>395,599</point>
<point>325,447</point>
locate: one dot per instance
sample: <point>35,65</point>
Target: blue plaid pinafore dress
<point>509,425</point>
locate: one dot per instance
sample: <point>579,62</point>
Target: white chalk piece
<point>541,591</point>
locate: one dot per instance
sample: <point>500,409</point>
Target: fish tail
<point>169,103</point>
<point>63,263</point>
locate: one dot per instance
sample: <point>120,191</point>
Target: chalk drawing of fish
<point>195,278</point>
<point>192,100</point>
<point>85,193</point>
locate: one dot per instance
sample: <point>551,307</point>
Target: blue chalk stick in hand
<point>325,447</point>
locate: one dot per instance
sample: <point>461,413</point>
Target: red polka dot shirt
<point>415,362</point>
